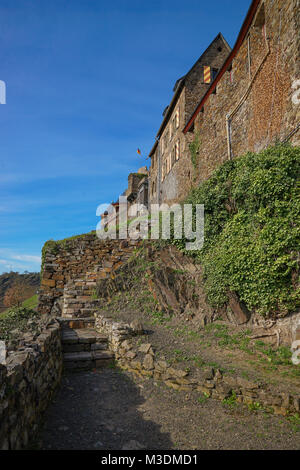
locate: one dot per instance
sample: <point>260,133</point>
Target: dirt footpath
<point>110,409</point>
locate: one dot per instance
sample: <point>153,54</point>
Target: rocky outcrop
<point>174,281</point>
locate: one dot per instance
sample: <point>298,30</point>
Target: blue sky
<point>87,81</point>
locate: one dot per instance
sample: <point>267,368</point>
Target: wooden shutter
<point>177,119</point>
<point>177,155</point>
<point>207,74</point>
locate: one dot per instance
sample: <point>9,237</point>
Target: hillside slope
<point>8,279</point>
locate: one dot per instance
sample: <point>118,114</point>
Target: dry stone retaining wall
<point>27,383</point>
<point>70,260</point>
<point>139,358</point>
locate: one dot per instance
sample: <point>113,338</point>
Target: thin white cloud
<point>18,262</point>
<point>31,258</point>
<point>73,170</point>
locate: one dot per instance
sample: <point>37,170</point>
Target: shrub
<point>15,318</point>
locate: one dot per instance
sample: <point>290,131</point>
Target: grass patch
<point>31,303</point>
<point>160,318</point>
<point>295,422</point>
<point>203,399</point>
<point>256,406</point>
<point>231,401</point>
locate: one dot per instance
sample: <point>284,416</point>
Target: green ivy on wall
<point>252,230</point>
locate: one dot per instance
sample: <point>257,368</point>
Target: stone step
<point>77,323</point>
<point>87,360</point>
<point>79,293</point>
<point>88,347</point>
<point>81,309</point>
<point>81,336</point>
<point>87,311</point>
<point>82,300</point>
<point>71,312</point>
<point>87,356</point>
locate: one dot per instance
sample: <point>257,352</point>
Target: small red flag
<point>139,152</point>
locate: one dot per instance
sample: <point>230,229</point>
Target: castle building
<point>170,162</point>
<point>135,195</point>
<point>243,99</point>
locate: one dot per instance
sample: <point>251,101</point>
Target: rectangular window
<point>169,163</point>
<point>214,73</point>
<point>173,159</point>
<point>165,141</point>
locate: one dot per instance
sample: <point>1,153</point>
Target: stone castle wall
<point>257,93</point>
<point>179,173</point>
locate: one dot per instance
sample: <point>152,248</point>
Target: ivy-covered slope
<point>252,215</point>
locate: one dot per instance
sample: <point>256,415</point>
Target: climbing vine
<point>252,230</point>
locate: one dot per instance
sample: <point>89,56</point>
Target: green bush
<point>252,214</point>
<point>15,318</point>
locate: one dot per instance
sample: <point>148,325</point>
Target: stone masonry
<point>70,271</point>
<point>170,160</point>
<point>252,103</point>
<point>28,381</point>
<point>138,357</point>
<point>256,92</point>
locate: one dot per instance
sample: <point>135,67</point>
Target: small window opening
<point>214,73</point>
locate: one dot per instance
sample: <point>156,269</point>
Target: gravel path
<point>109,409</point>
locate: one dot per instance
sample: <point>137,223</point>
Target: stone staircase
<point>83,347</point>
<point>78,298</point>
